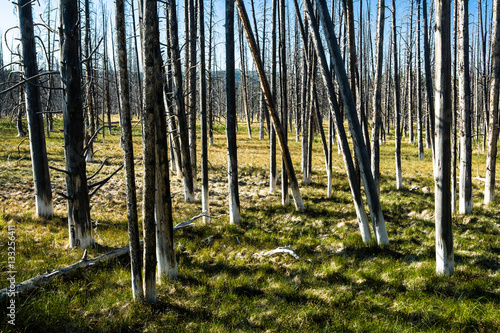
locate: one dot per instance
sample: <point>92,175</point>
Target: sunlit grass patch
<point>225,284</point>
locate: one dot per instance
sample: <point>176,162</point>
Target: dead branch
<point>191,221</point>
<point>93,138</point>
<point>64,196</point>
<point>50,112</point>
<point>98,170</point>
<point>17,161</point>
<point>18,151</point>
<point>57,169</point>
<point>27,80</point>
<point>94,51</point>
<point>99,184</point>
<point>285,249</point>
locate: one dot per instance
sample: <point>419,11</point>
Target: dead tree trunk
<point>210,81</point>
<point>180,106</point>
<point>138,72</point>
<point>428,80</point>
<point>192,90</point>
<point>165,254</point>
<point>234,197</point>
<point>272,132</point>
<point>454,115</point>
<point>88,84</point>
<point>442,156</point>
<point>128,152</point>
<point>203,109</point>
<point>419,91</point>
<point>377,96</point>
<point>489,190</point>
<point>344,144</point>
<point>39,162</point>
<point>410,78</point>
<point>465,183</point>
<point>397,104</point>
<point>79,223</point>
<point>357,134</point>
<point>299,205</point>
<point>285,196</point>
<point>148,152</point>
<point>244,87</point>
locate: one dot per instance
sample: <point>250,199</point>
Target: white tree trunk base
<point>44,208</point>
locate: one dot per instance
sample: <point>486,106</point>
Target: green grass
<point>339,284</point>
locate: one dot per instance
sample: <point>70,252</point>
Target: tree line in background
<point>301,66</point>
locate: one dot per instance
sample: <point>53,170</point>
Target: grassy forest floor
<point>338,284</point>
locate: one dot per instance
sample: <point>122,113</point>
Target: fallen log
<point>43,279</point>
<point>84,263</point>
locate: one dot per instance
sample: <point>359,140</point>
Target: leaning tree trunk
<point>377,96</point>
<point>79,223</point>
<point>244,87</point>
<point>489,190</point>
<point>369,183</point>
<point>180,105</point>
<point>272,133</point>
<point>232,160</point>
<point>465,183</point>
<point>397,104</point>
<point>299,204</point>
<point>128,152</point>
<point>41,176</point>
<point>344,144</point>
<point>442,156</point>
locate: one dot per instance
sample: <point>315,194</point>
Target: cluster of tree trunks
<point>169,101</point>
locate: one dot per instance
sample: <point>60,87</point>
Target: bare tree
<point>91,114</point>
<point>128,152</point>
<point>203,110</point>
<point>465,183</point>
<point>410,76</point>
<point>285,196</point>
<point>377,95</point>
<point>419,91</point>
<point>148,150</point>
<point>243,82</point>
<point>41,176</point>
<point>272,132</point>
<point>371,192</point>
<point>428,80</point>
<point>180,105</point>
<point>297,198</point>
<point>191,96</point>
<point>232,160</point>
<point>334,109</point>
<point>79,223</point>
<point>442,156</point>
<point>397,101</point>
<point>489,190</point>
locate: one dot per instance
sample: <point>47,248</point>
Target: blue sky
<point>8,16</point>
